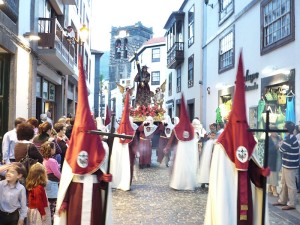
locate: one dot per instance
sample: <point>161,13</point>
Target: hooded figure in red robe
<point>83,174</point>
<point>122,154</point>
<point>230,198</point>
<point>184,171</point>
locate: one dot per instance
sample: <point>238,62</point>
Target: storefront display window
<point>45,89</point>
<point>225,104</point>
<point>277,96</point>
<point>51,92</point>
<point>38,86</point>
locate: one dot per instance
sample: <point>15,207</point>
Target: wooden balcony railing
<point>175,55</point>
<point>52,36</point>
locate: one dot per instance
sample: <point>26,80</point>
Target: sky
<point>108,13</point>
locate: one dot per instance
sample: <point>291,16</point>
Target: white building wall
<point>23,63</point>
<point>246,22</point>
<point>196,91</point>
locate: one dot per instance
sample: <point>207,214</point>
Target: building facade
<point>184,59</point>
<point>265,31</point>
<point>124,42</point>
<point>40,76</point>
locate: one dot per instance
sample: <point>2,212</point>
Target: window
<point>38,86</point>
<point>191,16</point>
<point>226,10</point>
<point>170,84</point>
<point>191,71</point>
<point>51,92</point>
<point>155,78</point>
<point>118,49</point>
<point>125,48</point>
<point>45,89</point>
<point>277,24</point>
<point>156,55</point>
<point>178,84</point>
<point>226,59</point>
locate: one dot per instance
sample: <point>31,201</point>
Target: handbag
<point>269,96</point>
<point>274,95</point>
<point>281,99</point>
<point>280,117</point>
<point>272,116</point>
<point>27,161</point>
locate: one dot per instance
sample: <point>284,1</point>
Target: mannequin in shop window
<point>260,109</point>
<point>290,107</point>
<point>225,107</point>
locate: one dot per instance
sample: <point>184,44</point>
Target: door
<point>4,90</point>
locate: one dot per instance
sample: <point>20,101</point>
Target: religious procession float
<point>147,103</point>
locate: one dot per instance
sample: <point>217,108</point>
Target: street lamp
<point>83,35</point>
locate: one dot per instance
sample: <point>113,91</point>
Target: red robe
<point>145,146</point>
<point>74,198</point>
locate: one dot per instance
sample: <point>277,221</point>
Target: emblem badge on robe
<point>242,154</point>
<point>83,159</point>
<point>186,134</point>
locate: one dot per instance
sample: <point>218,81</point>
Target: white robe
<point>184,172</point>
<point>205,160</point>
<point>221,206</point>
<point>67,177</point>
<point>120,166</point>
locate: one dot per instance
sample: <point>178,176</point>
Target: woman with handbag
<point>24,146</point>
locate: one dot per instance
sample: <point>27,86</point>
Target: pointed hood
<point>85,152</point>
<point>184,130</point>
<point>237,141</point>
<point>169,127</point>
<point>125,125</point>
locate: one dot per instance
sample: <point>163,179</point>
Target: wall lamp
<point>1,2</point>
<point>208,90</point>
<point>31,36</point>
<point>206,3</point>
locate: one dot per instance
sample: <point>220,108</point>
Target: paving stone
<point>151,201</point>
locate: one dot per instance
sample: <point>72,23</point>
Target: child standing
<point>53,174</point>
<point>13,208</point>
<point>38,212</point>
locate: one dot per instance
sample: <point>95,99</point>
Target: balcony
<point>55,48</point>
<point>10,8</point>
<point>175,56</point>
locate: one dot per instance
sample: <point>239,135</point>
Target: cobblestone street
<point>152,201</point>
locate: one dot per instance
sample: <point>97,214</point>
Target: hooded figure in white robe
<point>120,156</point>
<point>233,171</point>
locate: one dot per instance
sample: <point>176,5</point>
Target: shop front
<point>277,94</point>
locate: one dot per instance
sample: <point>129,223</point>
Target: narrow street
<point>152,201</point>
